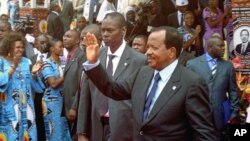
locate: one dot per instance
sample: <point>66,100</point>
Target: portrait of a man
<point>244,47</point>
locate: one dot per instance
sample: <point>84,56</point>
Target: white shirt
<point>244,47</point>
<point>43,58</point>
<point>165,74</point>
<point>118,54</point>
<point>179,17</point>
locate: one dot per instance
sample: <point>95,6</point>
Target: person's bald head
<point>5,27</point>
<point>215,47</point>
<point>94,29</point>
<point>117,18</point>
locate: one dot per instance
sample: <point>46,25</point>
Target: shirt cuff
<point>87,66</point>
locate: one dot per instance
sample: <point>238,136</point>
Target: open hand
<point>92,48</point>
<point>36,67</point>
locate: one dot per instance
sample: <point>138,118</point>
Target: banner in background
<point>239,51</point>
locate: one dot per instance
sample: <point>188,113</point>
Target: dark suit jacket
<point>72,76</point>
<point>184,57</point>
<point>173,20</point>
<point>223,82</point>
<point>55,26</point>
<point>67,14</point>
<point>239,47</point>
<point>181,109</point>
<point>120,111</point>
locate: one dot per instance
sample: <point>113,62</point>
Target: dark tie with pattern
<point>103,104</point>
<point>150,96</point>
<point>214,67</point>
<point>182,19</point>
<point>41,57</point>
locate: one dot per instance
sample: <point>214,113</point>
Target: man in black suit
<point>118,114</point>
<point>176,19</point>
<point>169,102</point>
<point>244,47</point>
<point>67,13</point>
<point>72,76</point>
<point>55,25</point>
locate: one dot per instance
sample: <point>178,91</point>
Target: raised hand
<point>36,67</point>
<point>92,48</point>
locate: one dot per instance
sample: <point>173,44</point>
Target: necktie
<point>182,19</point>
<point>41,57</point>
<point>103,103</point>
<point>151,95</point>
<point>214,67</point>
<point>110,65</point>
<point>243,49</point>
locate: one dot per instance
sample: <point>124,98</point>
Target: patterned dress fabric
<point>17,117</point>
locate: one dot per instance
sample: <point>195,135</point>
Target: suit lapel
<point>72,61</point>
<point>204,64</point>
<point>172,86</point>
<point>103,57</point>
<point>123,63</point>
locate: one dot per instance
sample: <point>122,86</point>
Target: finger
<point>85,39</point>
<point>94,39</point>
<point>88,38</point>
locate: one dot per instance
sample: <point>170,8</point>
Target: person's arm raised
<point>92,48</point>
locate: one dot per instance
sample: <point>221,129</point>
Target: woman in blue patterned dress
<point>17,118</point>
<point>52,77</point>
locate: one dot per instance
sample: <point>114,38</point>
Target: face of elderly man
<point>244,36</point>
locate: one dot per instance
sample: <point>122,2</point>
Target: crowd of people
<point>154,71</point>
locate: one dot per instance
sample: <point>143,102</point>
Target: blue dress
<point>52,102</point>
<point>17,118</point>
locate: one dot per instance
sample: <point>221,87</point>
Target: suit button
<point>141,132</point>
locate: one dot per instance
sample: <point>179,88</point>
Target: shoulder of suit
<point>193,62</point>
<point>136,54</point>
<point>189,76</point>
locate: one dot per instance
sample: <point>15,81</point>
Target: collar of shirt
<point>72,53</point>
<point>165,74</point>
<point>210,60</point>
<point>179,16</point>
<point>119,51</point>
<point>44,56</point>
<point>167,71</point>
<point>245,44</point>
<point>55,13</point>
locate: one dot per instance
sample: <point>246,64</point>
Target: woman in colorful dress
<point>17,118</point>
<point>214,20</point>
<point>190,36</point>
<point>52,101</point>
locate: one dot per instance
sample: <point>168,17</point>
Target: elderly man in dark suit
<point>169,102</point>
<point>72,76</point>
<point>220,78</point>
<point>244,47</point>
<point>117,114</point>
